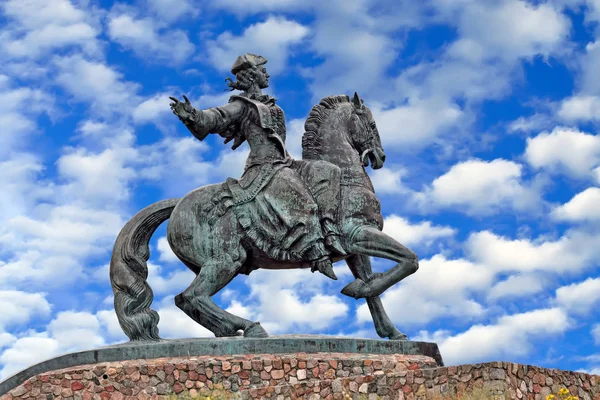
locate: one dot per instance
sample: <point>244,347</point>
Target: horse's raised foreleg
<point>196,300</point>
<point>370,241</point>
<point>360,265</point>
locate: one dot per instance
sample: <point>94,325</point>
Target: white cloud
<point>6,339</point>
<point>588,78</point>
<point>152,109</point>
<point>483,343</point>
<point>25,352</point>
<point>420,234</point>
<point>293,139</point>
<point>109,320</point>
<point>565,150</point>
<point>96,136</point>
<point>596,333</point>
<point>416,124</point>
<point>185,168</point>
<point>50,247</point>
<point>97,178</point>
<point>76,330</point>
<point>508,29</point>
<point>271,39</point>
<point>586,108</point>
<point>19,106</point>
<point>517,286</point>
<point>388,180</point>
<point>33,270</point>
<point>166,254</point>
<point>175,283</point>
<point>352,34</point>
<point>480,187</point>
<point>156,108</point>
<point>579,298</point>
<point>20,307</point>
<point>584,206</point>
<point>172,10</point>
<point>440,288</point>
<point>48,38</point>
<point>37,27</point>
<point>301,305</point>
<point>33,13</point>
<point>483,63</point>
<point>66,230</point>
<point>147,41</point>
<point>98,84</point>
<point>536,122</point>
<point>20,191</point>
<point>69,331</point>
<point>244,7</point>
<point>572,252</point>
<point>242,311</point>
<point>356,53</point>
<point>174,323</point>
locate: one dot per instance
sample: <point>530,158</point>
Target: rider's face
<point>263,77</point>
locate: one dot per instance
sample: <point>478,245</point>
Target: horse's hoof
<point>398,336</point>
<point>255,331</point>
<point>357,289</point>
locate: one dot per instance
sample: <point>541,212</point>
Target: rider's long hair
<point>244,79</point>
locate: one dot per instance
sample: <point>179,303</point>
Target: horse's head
<point>365,136</point>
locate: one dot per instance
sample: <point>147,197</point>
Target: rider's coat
<point>277,198</point>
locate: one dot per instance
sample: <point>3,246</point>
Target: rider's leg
<point>323,180</point>
<point>299,213</point>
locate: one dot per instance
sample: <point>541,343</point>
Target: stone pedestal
<point>302,376</point>
<point>297,375</point>
<point>237,366</point>
<point>365,369</point>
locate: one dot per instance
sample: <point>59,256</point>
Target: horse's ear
<point>356,101</point>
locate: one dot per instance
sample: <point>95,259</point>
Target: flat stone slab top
<point>225,346</point>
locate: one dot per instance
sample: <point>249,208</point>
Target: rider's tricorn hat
<point>246,61</point>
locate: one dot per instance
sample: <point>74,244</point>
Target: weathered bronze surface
<point>281,214</point>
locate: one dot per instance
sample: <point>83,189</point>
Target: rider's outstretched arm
<point>214,120</point>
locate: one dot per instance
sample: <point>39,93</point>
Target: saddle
<point>274,213</point>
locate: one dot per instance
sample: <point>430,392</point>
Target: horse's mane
<point>311,144</point>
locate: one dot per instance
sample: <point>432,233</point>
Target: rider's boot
<point>332,236</point>
<point>325,267</point>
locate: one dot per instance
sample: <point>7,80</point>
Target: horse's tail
<point>128,272</point>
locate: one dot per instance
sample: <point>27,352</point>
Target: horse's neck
<point>353,173</point>
<point>336,149</point>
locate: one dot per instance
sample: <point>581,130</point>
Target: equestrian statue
<point>281,214</point>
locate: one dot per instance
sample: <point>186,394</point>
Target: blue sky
<point>487,110</point>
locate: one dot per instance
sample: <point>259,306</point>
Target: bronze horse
<point>207,237</point>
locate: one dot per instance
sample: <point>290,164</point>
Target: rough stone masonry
<point>302,376</point>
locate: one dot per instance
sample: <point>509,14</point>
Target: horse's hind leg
<point>360,265</point>
<point>196,300</point>
<point>370,241</point>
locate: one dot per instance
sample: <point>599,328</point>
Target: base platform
<point>285,346</point>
